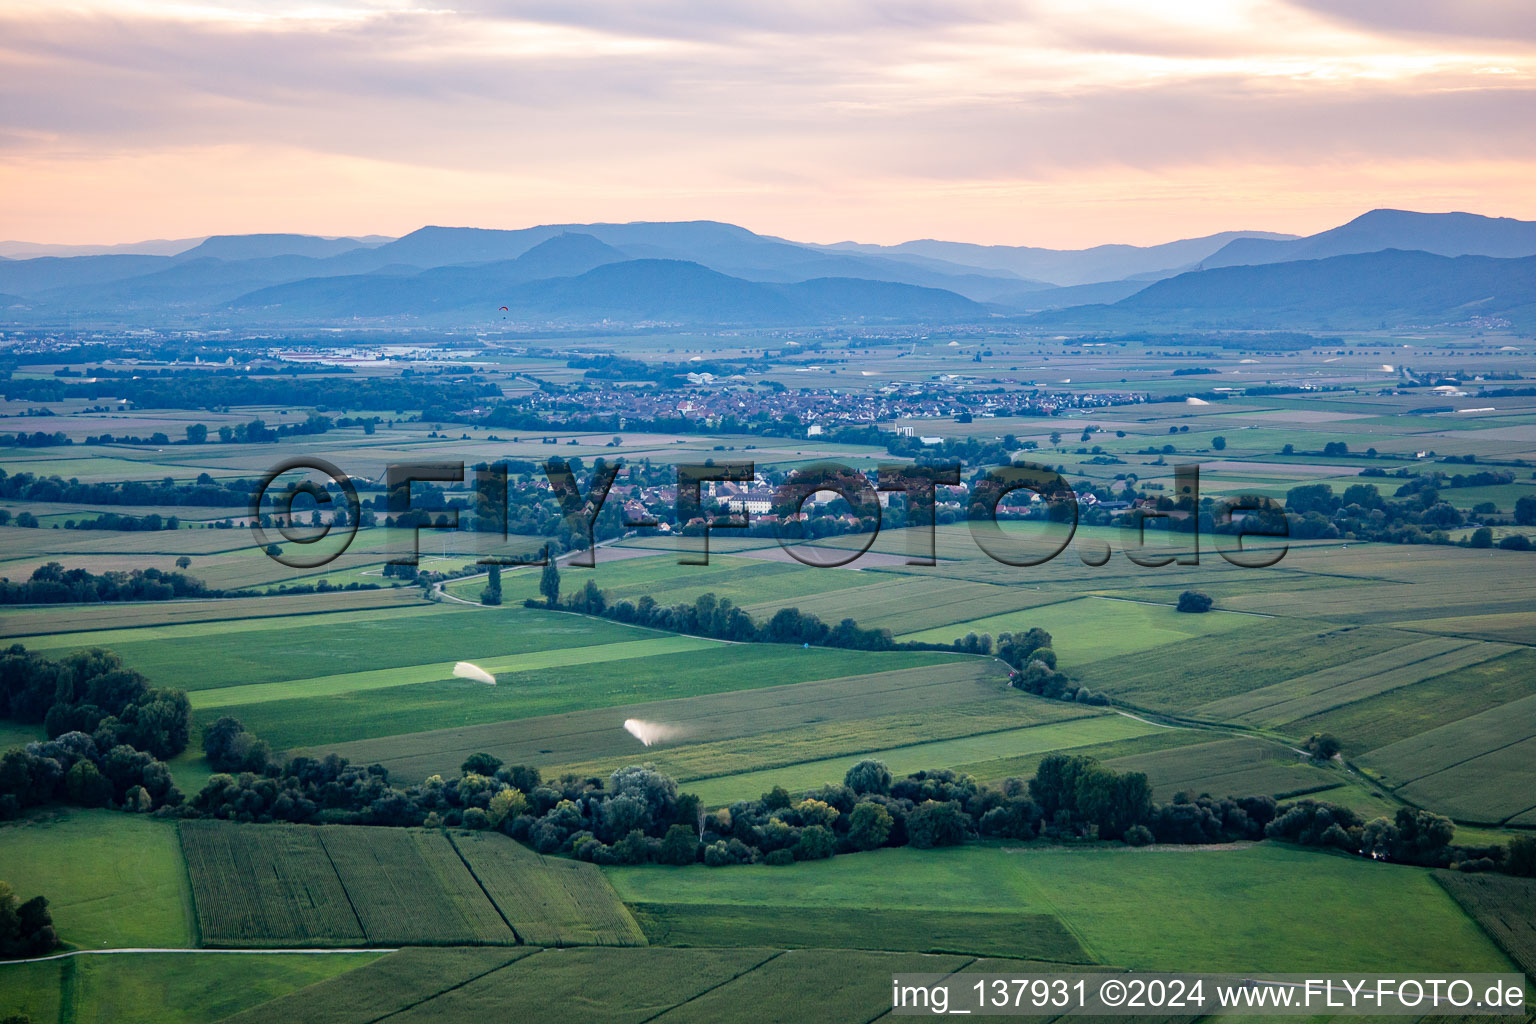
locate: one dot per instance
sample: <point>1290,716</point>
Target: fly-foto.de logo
<point>713,497</point>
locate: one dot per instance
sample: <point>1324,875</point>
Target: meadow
<point>1224,908</point>
<point>112,880</point>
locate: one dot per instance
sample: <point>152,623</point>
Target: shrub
<point>1194,601</point>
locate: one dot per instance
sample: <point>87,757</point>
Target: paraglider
<point>503,309</point>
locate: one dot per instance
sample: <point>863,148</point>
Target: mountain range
<point>1384,267</point>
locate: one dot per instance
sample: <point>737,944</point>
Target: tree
<point>815,843</point>
<point>868,776</point>
<point>933,823</point>
<point>1525,510</point>
<point>1194,601</point>
<point>491,595</point>
<point>197,433</point>
<point>1055,437</point>
<point>1482,537</point>
<point>229,748</point>
<point>869,826</point>
<point>679,846</point>
<point>549,583</point>
<point>1218,443</point>
<point>183,562</point>
<point>26,929</point>
<point>480,764</point>
<point>1322,745</point>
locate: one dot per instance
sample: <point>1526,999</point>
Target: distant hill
<point>1365,290</point>
<point>402,291</point>
<point>150,247</point>
<point>1444,234</point>
<point>1032,299</point>
<point>1062,267</point>
<point>255,247</point>
<point>629,291</point>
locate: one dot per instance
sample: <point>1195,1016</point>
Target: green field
<point>1505,907</point>
<point>602,986</point>
<point>338,885</point>
<point>325,686</point>
<point>969,750</point>
<point>1229,908</point>
<point>203,657</point>
<point>1476,768</point>
<point>162,988</point>
<point>838,985</point>
<point>1094,629</point>
<point>815,718</point>
<point>411,888</point>
<point>418,707</point>
<point>1230,767</point>
<point>1039,936</point>
<point>267,886</point>
<point>547,901</point>
<point>112,880</point>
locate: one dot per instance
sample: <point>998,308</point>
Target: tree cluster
<point>51,583</point>
<point>26,929</point>
<point>91,692</point>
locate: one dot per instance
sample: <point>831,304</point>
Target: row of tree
<point>638,815</point>
<point>51,583</point>
<point>720,618</point>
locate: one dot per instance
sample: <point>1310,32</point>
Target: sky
<point>1061,123</point>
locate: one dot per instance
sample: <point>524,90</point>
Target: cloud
<point>1501,21</point>
<point>732,107</point>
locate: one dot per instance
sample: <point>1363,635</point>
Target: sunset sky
<point>1062,123</point>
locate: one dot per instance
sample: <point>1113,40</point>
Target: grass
<point>398,710</point>
<point>15,734</point>
<point>547,901</point>
<point>1504,906</point>
<point>384,985</point>
<point>1093,629</point>
<point>112,879</point>
<point>970,750</point>
<point>1040,936</point>
<point>162,988</point>
<point>410,887</point>
<point>1259,907</point>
